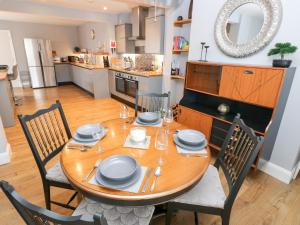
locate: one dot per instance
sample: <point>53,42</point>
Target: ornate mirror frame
<point>272,10</point>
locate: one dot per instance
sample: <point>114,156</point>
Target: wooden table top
<point>179,173</point>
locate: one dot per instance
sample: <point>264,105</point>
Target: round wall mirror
<point>244,27</point>
<point>245,23</point>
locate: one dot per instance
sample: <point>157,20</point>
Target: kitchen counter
<point>82,65</point>
<point>91,78</point>
<point>138,73</point>
<point>6,99</point>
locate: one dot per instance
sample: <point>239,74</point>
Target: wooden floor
<point>261,201</point>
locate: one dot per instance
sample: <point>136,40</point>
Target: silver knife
<point>147,179</point>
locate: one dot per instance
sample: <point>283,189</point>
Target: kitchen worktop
<point>82,65</point>
<point>3,74</point>
<point>138,73</point>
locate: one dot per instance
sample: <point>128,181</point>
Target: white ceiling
<point>113,6</point>
<point>69,12</point>
<point>44,19</point>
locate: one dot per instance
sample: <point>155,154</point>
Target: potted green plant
<point>282,49</point>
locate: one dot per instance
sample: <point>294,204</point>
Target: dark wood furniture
<point>34,215</point>
<point>180,173</point>
<point>252,91</point>
<point>47,132</point>
<point>238,153</point>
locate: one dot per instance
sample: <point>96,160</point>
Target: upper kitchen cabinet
<point>124,45</point>
<point>155,29</point>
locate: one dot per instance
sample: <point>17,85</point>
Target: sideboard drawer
<point>252,85</point>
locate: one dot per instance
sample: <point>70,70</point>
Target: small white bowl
<point>138,134</point>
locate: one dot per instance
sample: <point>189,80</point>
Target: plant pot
<point>282,63</point>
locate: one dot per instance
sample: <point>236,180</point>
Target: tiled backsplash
<point>145,61</point>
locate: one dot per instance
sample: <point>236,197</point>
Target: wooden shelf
<point>177,77</point>
<point>179,23</point>
<point>179,51</point>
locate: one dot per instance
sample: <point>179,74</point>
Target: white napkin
<point>141,145</point>
<point>145,125</point>
<point>101,135</point>
<point>133,188</point>
<point>189,152</point>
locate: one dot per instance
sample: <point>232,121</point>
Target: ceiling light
<point>105,8</point>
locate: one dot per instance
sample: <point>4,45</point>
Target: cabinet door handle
<point>248,72</point>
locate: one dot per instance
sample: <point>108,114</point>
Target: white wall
<point>204,14</point>
<point>63,38</point>
<point>7,53</point>
<point>171,14</point>
<point>104,33</point>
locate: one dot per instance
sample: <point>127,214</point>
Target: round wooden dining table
<point>179,173</point>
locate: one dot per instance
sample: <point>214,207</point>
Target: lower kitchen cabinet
<point>63,73</point>
<point>83,78</point>
<point>195,120</point>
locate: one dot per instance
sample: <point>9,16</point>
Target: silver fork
<point>86,177</point>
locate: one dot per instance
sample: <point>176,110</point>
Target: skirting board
<point>5,156</point>
<point>276,171</point>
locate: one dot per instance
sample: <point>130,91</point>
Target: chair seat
<point>208,192</point>
<point>55,173</point>
<point>115,215</point>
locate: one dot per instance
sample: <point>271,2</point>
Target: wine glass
<point>161,142</point>
<point>124,115</point>
<point>168,119</point>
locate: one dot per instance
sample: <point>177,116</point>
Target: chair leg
<point>196,218</point>
<point>225,219</point>
<point>169,214</point>
<point>47,196</point>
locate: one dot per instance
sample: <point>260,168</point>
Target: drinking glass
<point>124,115</point>
<point>161,142</point>
<point>168,119</point>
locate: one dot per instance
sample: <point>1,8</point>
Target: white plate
<point>189,147</point>
<point>87,131</point>
<point>148,117</point>
<point>190,137</point>
<point>118,184</point>
<point>118,167</point>
<point>76,137</point>
<point>149,124</point>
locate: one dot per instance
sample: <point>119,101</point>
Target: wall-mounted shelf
<point>177,77</point>
<point>179,23</point>
<point>179,51</point>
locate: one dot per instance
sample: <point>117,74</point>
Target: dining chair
<point>47,132</point>
<point>88,212</point>
<point>151,102</point>
<point>238,153</point>
<point>11,77</point>
<point>35,215</point>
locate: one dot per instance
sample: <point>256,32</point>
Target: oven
<point>131,87</point>
<point>126,84</point>
<point>120,83</point>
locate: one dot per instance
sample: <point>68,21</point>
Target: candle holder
<point>206,49</point>
<point>202,48</point>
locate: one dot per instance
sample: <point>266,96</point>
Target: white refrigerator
<point>40,63</point>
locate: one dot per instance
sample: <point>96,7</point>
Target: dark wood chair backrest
<point>47,132</point>
<point>238,154</point>
<point>34,215</point>
<point>151,102</point>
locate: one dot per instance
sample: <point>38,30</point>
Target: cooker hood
<point>138,17</point>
